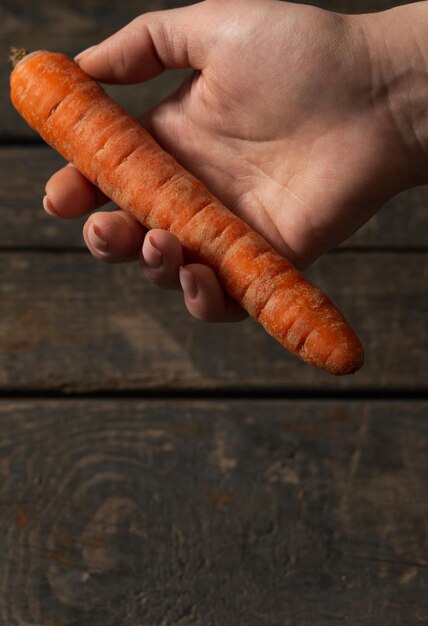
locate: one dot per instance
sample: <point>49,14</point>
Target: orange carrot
<point>75,116</point>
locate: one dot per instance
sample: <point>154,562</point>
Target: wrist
<point>397,41</point>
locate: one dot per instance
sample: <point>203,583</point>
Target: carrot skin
<point>75,116</point>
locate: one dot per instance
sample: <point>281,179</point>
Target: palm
<point>300,159</point>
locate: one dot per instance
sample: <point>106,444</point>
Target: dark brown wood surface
<point>213,513</point>
<point>69,322</point>
<point>158,471</point>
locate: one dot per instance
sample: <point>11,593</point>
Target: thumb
<point>148,45</point>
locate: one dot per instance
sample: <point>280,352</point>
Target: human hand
<point>292,119</point>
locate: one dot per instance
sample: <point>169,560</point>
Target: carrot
<point>76,117</point>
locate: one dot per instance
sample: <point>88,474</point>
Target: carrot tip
<point>16,55</point>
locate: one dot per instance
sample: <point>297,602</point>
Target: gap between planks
<point>379,395</point>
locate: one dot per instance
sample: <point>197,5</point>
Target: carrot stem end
<point>16,55</point>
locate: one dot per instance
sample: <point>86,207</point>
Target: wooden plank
<point>25,171</point>
<point>68,322</point>
<point>24,174</point>
<point>71,25</point>
<point>205,513</point>
<point>350,6</point>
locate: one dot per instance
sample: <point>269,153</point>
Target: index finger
<point>70,194</point>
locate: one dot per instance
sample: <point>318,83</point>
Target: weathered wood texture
<point>71,25</point>
<point>213,513</point>
<point>24,171</point>
<point>70,322</point>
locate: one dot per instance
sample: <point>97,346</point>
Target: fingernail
<point>188,283</point>
<point>153,256</point>
<point>84,53</point>
<point>47,205</point>
<point>95,240</point>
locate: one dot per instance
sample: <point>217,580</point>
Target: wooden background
<point>158,471</point>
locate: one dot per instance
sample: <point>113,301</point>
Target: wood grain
<point>70,26</point>
<point>206,513</point>
<point>68,322</point>
<point>25,170</point>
